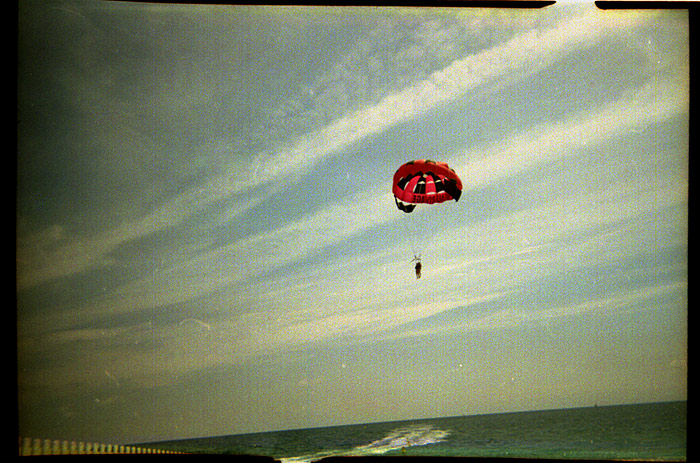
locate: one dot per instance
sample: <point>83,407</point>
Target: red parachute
<point>425,182</point>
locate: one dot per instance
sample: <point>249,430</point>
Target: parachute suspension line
<point>417,232</point>
<point>424,225</point>
<point>411,234</point>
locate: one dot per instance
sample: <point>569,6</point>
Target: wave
<point>397,439</point>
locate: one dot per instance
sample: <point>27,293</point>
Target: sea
<point>646,432</point>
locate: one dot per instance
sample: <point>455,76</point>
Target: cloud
<point>517,57</point>
<point>319,311</point>
<point>658,100</point>
<point>619,219</point>
<point>510,315</point>
<point>242,261</point>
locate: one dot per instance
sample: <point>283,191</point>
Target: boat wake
<point>401,438</point>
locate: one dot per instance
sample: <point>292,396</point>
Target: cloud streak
<point>658,100</point>
<point>345,306</point>
<point>245,259</point>
<point>513,58</point>
<point>514,317</point>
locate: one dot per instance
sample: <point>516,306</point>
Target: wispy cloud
<point>571,229</point>
<point>244,259</point>
<point>513,58</point>
<point>658,100</point>
<point>514,316</point>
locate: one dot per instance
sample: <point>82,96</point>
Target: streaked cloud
<point>515,57</point>
<point>656,101</point>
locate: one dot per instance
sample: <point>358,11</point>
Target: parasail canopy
<point>425,182</point>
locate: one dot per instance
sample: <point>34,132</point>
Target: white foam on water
<point>409,436</point>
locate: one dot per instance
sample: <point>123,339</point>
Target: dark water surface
<point>654,431</point>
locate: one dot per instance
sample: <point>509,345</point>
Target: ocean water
<point>632,432</point>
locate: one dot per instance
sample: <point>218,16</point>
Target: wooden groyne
<point>30,446</point>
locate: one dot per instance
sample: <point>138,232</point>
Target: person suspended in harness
<point>416,259</point>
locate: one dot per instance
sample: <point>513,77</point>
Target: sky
<point>207,243</point>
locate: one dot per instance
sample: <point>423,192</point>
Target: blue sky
<point>207,243</point>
